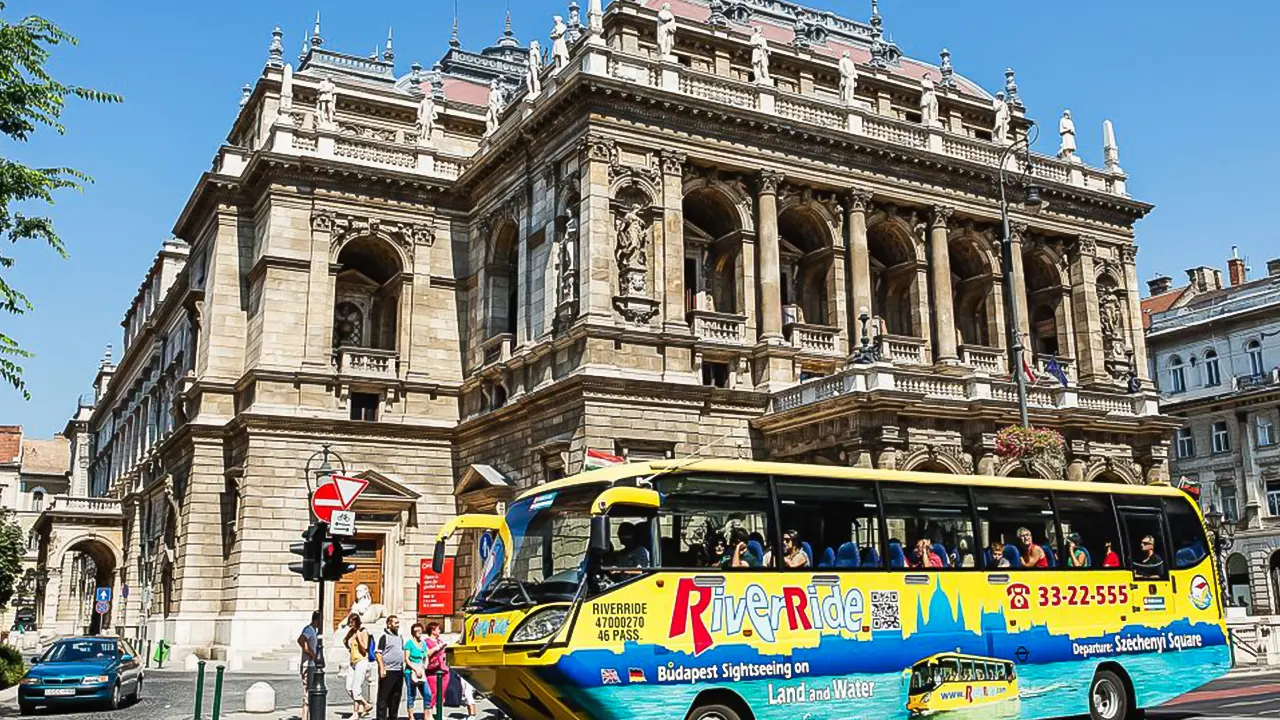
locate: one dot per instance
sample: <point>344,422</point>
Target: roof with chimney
<point>1206,293</point>
<point>10,444</point>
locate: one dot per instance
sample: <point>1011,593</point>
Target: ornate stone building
<point>464,278</point>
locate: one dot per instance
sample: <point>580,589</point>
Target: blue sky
<point>1187,84</point>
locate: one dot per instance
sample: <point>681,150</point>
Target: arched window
<point>1212,373</point>
<point>1177,375</point>
<point>37,501</point>
<point>1253,349</point>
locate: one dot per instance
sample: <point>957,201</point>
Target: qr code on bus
<point>884,610</point>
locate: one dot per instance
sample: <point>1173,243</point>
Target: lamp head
<point>1033,199</point>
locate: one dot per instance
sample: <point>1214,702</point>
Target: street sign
<point>102,595</point>
<point>435,591</point>
<point>101,608</point>
<point>343,522</point>
<point>338,494</point>
<point>485,545</point>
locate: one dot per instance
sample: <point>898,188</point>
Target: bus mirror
<point>437,558</point>
<point>599,535</point>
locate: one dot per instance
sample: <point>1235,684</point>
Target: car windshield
<point>550,533</point>
<point>80,650</point>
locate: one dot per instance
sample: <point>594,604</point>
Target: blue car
<point>99,670</point>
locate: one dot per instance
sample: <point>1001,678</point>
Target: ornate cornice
<point>342,226</point>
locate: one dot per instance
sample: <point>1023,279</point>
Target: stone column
<point>595,242</point>
<point>1018,233</point>
<point>1137,340</point>
<point>944,322</point>
<point>768,257</point>
<point>673,241</point>
<point>858,267</point>
<point>1086,323</point>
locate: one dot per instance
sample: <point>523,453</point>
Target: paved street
<point>170,696</point>
<point>1240,696</point>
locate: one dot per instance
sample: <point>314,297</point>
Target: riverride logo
<point>702,607</point>
<point>1201,593</point>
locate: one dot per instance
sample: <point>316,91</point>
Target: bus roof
<point>626,471</point>
<point>961,656</point>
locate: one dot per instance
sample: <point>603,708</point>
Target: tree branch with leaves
<point>30,98</point>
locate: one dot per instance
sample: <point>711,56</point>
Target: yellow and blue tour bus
<point>737,590</point>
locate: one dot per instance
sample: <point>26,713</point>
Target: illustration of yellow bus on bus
<point>952,684</point>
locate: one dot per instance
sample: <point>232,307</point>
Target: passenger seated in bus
<point>793,555</point>
<point>1147,563</point>
<point>1032,554</point>
<point>965,555</point>
<point>924,556</point>
<point>632,554</point>
<point>1111,559</point>
<point>739,555</point>
<point>718,552</point>
<point>1076,555</point>
<point>997,555</point>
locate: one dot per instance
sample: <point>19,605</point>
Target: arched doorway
<point>367,295</point>
<point>973,292</point>
<point>1238,581</point>
<point>87,565</point>
<point>713,252</point>
<point>504,281</point>
<point>1273,574</point>
<point>808,277</point>
<point>1110,476</point>
<point>895,286</point>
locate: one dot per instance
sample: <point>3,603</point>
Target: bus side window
<point>837,523</point>
<point>702,514</point>
<point>930,527</point>
<point>1189,543</point>
<point>1021,522</point>
<point>1147,555</point>
<point>1088,523</point>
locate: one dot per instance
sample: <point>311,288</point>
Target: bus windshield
<point>550,533</point>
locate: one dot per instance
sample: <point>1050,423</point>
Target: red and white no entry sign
<point>338,494</point>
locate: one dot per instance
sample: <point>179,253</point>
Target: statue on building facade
<point>568,279</point>
<point>1067,131</point>
<point>534,79</point>
<point>848,79</point>
<point>559,44</point>
<point>326,104</point>
<point>632,252</point>
<point>760,57</point>
<point>1112,321</point>
<point>928,102</point>
<point>497,104</point>
<point>666,32</point>
<point>428,113</point>
<point>1000,133</point>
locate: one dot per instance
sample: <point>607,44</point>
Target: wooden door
<point>368,562</point>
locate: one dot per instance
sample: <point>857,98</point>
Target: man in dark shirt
<point>1148,564</point>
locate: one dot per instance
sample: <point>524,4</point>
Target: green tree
<point>29,98</point>
<point>12,547</point>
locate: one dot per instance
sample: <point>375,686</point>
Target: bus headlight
<point>540,625</point>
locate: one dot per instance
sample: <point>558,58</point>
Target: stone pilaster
<point>767,254</point>
<point>1084,302</point>
<point>1137,341</point>
<point>944,322</point>
<point>673,241</point>
<point>1017,233</point>
<point>858,267</point>
<point>595,262</point>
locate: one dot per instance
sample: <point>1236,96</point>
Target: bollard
<point>438,695</point>
<point>148,653</point>
<point>199,689</point>
<point>217,691</point>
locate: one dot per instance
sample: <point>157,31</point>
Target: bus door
<point>1152,593</point>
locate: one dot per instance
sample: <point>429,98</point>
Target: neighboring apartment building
<point>32,472</point>
<point>464,279</point>
<point>1215,352</point>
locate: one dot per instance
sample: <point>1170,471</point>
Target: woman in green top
<point>415,666</point>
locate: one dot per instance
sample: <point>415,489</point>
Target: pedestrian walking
<point>415,668</point>
<point>436,646</point>
<point>309,641</point>
<point>390,670</point>
<point>357,643</point>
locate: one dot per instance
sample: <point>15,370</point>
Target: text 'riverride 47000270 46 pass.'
<point>730,590</point>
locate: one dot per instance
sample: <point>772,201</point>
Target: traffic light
<point>333,559</point>
<point>310,548</point>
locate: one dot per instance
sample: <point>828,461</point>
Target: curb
<point>8,694</point>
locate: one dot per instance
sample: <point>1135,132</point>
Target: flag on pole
<point>1029,371</point>
<point>1189,486</point>
<point>1054,369</point>
<point>597,459</point>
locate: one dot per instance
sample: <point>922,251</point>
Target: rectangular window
<point>930,526</point>
<point>364,406</point>
<point>1089,529</point>
<point>1266,431</point>
<point>836,523</point>
<point>1144,537</point>
<point>1020,525</point>
<point>1221,440</point>
<point>1178,380</point>
<point>1227,496</point>
<point>1273,497</point>
<point>1189,543</point>
<point>1212,373</point>
<point>710,521</point>
<point>1186,443</point>
<point>715,374</point>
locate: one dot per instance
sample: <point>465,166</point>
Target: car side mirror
<point>599,534</point>
<point>35,661</point>
<point>437,558</point>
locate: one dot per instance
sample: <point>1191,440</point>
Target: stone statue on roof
<point>326,104</point>
<point>928,103</point>
<point>666,32</point>
<point>848,79</point>
<point>534,79</point>
<point>760,57</point>
<point>1000,133</point>
<point>559,44</point>
<point>1067,131</point>
<point>496,105</point>
<point>427,115</point>
<point>1110,150</point>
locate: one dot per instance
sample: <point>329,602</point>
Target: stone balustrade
<point>497,349</point>
<point>819,339</point>
<point>711,326</point>
<point>83,505</point>
<point>367,362</point>
<point>903,350</point>
<point>987,359</point>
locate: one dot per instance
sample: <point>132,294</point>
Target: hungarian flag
<point>597,459</point>
<point>1029,371</point>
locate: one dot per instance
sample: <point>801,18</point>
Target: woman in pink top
<point>436,662</point>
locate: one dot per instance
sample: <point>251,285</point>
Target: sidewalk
<point>484,711</point>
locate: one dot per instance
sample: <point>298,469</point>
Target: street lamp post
<point>1223,538</point>
<point>1032,200</point>
<point>318,692</point>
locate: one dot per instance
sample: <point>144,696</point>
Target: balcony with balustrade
<point>985,359</point>
<point>814,339</point>
<point>719,328</point>
<point>903,349</point>
<point>367,363</point>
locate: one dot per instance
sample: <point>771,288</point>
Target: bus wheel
<point>713,712</point>
<point>1108,698</point>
